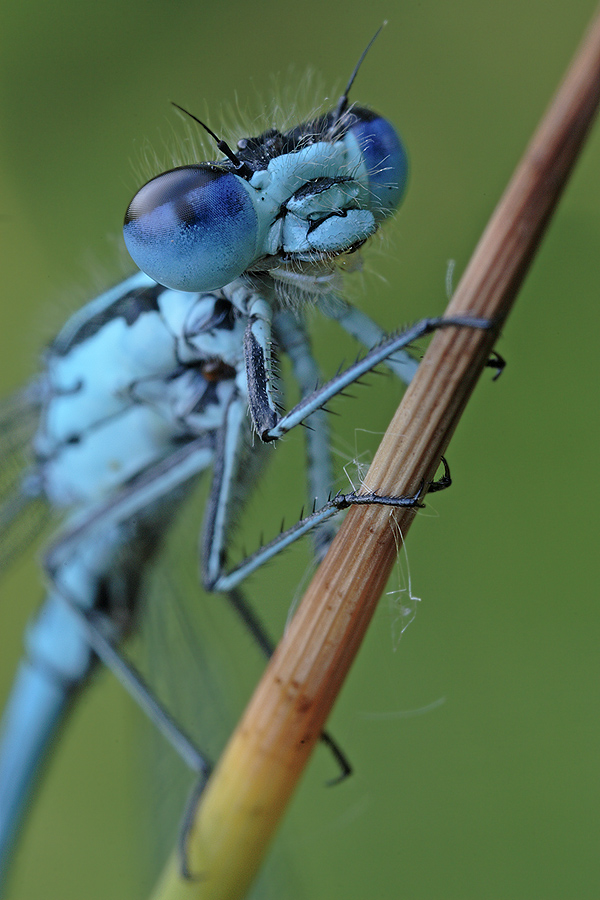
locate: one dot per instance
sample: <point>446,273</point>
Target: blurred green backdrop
<point>492,790</point>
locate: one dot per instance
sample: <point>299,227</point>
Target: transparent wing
<point>202,664</point>
<point>23,512</point>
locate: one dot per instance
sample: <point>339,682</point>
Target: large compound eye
<point>192,228</point>
<point>386,162</point>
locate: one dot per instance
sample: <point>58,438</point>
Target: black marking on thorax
<point>129,307</point>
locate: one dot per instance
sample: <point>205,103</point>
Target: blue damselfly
<point>173,372</point>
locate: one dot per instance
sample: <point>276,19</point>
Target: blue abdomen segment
<point>59,660</point>
<point>193,228</point>
<point>385,160</point>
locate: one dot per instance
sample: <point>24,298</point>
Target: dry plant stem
<point>264,759</point>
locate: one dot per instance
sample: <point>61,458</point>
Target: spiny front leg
<point>384,351</point>
<point>260,373</point>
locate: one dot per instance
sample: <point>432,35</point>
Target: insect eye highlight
<point>386,161</point>
<point>193,228</point>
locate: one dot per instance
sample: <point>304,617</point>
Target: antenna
<point>241,167</point>
<point>343,101</point>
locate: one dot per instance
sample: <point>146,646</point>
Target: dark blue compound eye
<point>386,162</point>
<point>192,228</point>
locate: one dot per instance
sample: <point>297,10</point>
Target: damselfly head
<point>306,196</point>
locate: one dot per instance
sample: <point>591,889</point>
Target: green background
<point>475,739</point>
